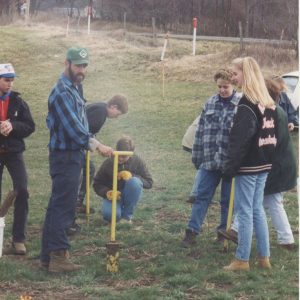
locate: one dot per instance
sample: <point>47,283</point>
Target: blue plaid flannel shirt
<point>66,117</point>
<point>212,134</point>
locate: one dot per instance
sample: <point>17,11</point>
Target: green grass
<point>152,263</point>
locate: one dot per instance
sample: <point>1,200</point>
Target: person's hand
<point>105,150</point>
<point>110,193</point>
<point>291,126</point>
<point>125,175</point>
<point>5,127</point>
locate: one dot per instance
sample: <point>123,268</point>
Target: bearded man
<point>69,138</point>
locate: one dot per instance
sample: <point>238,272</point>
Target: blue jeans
<point>130,195</point>
<point>249,195</point>
<point>65,168</point>
<point>207,183</point>
<point>195,185</point>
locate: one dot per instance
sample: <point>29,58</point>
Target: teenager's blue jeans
<point>208,181</point>
<point>130,195</point>
<point>248,205</point>
<point>65,168</point>
<point>195,185</point>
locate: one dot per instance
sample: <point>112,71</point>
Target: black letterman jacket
<point>252,140</point>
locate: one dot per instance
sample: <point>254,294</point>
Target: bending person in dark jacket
<point>133,176</point>
<point>97,113</point>
<point>16,124</point>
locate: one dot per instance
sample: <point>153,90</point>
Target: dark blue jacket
<point>286,105</point>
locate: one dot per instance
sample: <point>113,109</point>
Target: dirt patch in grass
<point>139,255</point>
<point>125,284</point>
<point>164,214</point>
<point>40,291</point>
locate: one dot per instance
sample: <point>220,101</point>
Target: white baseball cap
<point>7,70</point>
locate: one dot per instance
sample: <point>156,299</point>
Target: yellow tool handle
<point>87,178</point>
<point>114,193</point>
<point>230,212</point>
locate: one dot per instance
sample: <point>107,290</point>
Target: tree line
<point>274,19</point>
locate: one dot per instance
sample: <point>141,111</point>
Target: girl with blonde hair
<point>252,142</point>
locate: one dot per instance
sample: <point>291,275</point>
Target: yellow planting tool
<point>87,179</point>
<point>230,212</point>
<point>112,256</point>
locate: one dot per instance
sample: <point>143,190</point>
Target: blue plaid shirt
<point>212,134</point>
<point>66,118</point>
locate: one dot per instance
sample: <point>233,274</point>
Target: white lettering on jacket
<point>268,123</point>
<point>267,141</point>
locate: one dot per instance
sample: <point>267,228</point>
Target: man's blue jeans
<point>207,183</point>
<point>248,205</point>
<point>65,168</point>
<point>130,195</point>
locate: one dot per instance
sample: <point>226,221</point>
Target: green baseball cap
<point>78,55</point>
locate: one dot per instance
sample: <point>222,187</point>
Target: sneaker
<point>230,234</point>
<point>15,249</point>
<point>73,229</point>
<point>189,239</point>
<point>82,209</point>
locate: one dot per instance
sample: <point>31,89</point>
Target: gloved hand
<point>125,175</point>
<point>110,193</point>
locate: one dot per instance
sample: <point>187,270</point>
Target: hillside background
<point>270,19</point>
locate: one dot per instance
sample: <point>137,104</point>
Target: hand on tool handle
<point>102,149</point>
<point>109,195</point>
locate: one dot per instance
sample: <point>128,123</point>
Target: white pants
<point>273,205</point>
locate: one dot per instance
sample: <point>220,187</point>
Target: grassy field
<point>152,263</point>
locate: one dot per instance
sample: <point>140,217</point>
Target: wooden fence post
<point>153,31</point>
<point>27,14</point>
<point>124,23</point>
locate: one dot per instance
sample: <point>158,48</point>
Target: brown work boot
<point>230,234</point>
<point>15,249</point>
<point>237,265</point>
<point>60,262</point>
<point>264,262</point>
<point>189,239</point>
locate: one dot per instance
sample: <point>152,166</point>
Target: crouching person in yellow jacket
<point>133,176</point>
